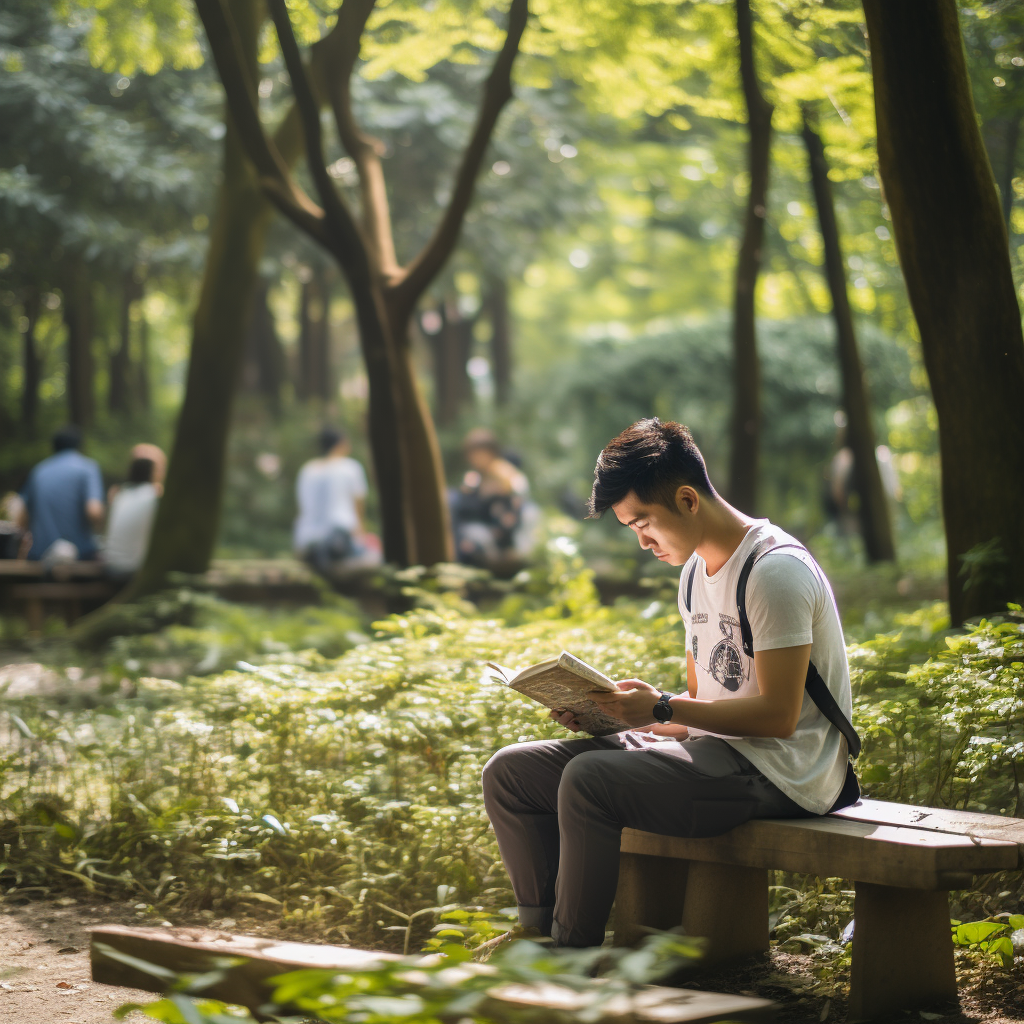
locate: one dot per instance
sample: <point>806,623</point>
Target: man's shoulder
<point>785,566</point>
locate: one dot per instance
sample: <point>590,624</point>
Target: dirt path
<point>44,965</point>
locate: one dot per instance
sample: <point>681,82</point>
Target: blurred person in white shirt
<point>132,511</point>
<point>330,529</point>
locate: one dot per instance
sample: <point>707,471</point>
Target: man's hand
<point>633,702</point>
<point>566,718</point>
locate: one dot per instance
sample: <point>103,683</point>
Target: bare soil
<point>44,964</point>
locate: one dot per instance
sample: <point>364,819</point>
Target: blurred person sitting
<point>132,510</point>
<point>14,541</point>
<point>488,509</point>
<point>63,502</point>
<point>330,529</point>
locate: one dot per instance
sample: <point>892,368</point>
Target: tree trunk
<point>451,347</point>
<point>264,358</point>
<point>424,477</point>
<point>314,337</point>
<point>952,245</point>
<point>119,394</point>
<point>1009,168</point>
<point>30,365</point>
<point>746,413</point>
<point>78,318</point>
<point>874,508</point>
<point>388,439</point>
<point>188,517</point>
<point>501,340</point>
<point>142,383</point>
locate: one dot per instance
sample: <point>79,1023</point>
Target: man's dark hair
<point>653,460</point>
<point>69,436</point>
<point>329,438</point>
<point>141,471</point>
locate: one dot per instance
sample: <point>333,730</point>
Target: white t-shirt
<point>789,603</point>
<point>129,525</point>
<point>326,491</point>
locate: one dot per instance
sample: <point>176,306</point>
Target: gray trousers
<point>558,808</point>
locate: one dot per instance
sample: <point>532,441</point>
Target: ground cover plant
<point>335,792</point>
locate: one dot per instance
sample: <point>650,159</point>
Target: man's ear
<point>687,500</point>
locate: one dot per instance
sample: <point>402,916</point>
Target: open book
<point>563,683</point>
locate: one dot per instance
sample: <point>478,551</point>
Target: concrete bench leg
<point>649,895</point>
<point>726,905</point>
<point>902,951</point>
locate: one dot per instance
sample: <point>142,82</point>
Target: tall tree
<point>451,345</point>
<point>120,390</point>
<point>406,455</point>
<point>314,335</point>
<point>501,338</point>
<point>30,362</point>
<point>875,523</point>
<point>951,241</point>
<point>264,359</point>
<point>79,311</point>
<point>187,520</point>
<point>744,458</point>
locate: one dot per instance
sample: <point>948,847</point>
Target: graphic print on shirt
<point>726,665</point>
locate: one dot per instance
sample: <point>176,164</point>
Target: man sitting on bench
<point>763,731</point>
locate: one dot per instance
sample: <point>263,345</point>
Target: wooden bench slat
<point>862,851</point>
<point>20,567</point>
<point>937,819</point>
<point>193,950</point>
<point>67,591</point>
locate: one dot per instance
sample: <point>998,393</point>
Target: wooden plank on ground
<point>862,851</point>
<point>938,819</point>
<point>197,950</point>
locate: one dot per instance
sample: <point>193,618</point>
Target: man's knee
<point>505,767</point>
<point>586,776</point>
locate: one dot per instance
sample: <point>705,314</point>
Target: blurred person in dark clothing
<point>63,499</point>
<point>488,509</point>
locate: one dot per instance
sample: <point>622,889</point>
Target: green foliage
<point>942,716</point>
<point>126,36</point>
<point>322,789</point>
<point>998,938</point>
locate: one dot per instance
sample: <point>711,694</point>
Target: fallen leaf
<point>69,949</point>
<point>64,984</point>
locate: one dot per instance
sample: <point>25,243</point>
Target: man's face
<point>670,535</point>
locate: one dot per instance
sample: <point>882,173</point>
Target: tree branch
<point>345,241</point>
<point>497,92</point>
<point>240,92</point>
<point>364,149</point>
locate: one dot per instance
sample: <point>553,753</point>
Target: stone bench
<point>119,956</point>
<point>902,860</point>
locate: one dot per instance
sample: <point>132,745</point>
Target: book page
<point>560,689</point>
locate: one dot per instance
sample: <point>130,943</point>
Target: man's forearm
<point>741,716</point>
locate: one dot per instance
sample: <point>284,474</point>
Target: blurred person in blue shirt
<point>63,499</point>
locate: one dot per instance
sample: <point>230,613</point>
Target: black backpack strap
<point>816,687</point>
<point>689,586</point>
<point>818,691</point>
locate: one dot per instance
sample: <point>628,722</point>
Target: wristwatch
<point>663,709</point>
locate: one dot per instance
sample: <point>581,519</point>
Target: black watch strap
<point>663,709</point>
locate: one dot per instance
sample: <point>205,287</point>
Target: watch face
<point>662,711</point>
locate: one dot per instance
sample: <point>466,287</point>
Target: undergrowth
<point>333,787</point>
